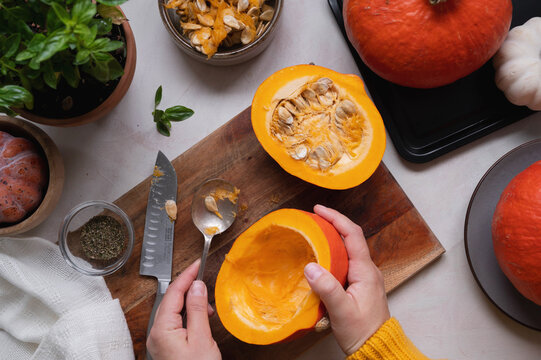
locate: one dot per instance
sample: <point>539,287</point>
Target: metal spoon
<point>208,222</point>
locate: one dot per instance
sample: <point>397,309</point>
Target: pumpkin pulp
<point>262,296</point>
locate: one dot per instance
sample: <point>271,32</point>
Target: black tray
<point>426,123</point>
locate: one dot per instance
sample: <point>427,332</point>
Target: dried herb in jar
<point>102,238</point>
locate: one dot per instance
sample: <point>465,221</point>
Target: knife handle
<point>162,287</point>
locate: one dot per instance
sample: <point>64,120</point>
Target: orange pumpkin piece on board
<point>516,232</point>
<point>23,177</point>
<point>426,43</point>
<point>262,296</point>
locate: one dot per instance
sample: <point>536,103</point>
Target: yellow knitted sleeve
<point>388,343</point>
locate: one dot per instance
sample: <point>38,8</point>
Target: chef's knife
<point>157,251</point>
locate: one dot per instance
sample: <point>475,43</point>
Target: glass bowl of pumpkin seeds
<point>220,32</point>
<point>96,238</point>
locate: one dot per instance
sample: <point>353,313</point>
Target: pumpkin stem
<point>435,2</point>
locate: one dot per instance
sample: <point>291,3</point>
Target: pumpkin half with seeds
<point>319,125</point>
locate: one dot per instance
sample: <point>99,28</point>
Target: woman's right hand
<point>357,312</point>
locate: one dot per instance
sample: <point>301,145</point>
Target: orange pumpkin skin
<point>414,43</point>
<point>516,232</point>
<point>23,177</point>
<point>264,270</point>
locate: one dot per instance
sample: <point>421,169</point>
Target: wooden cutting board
<point>400,241</point>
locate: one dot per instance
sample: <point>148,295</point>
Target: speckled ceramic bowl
<point>235,55</point>
<point>22,128</point>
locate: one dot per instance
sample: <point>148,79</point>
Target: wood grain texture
<point>400,241</point>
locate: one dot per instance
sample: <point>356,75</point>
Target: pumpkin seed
<point>299,153</point>
<point>210,204</point>
<point>285,115</point>
<point>267,15</point>
<point>202,5</point>
<point>206,19</point>
<point>171,209</point>
<point>254,11</point>
<point>190,26</point>
<point>242,5</point>
<point>230,21</point>
<point>247,36</point>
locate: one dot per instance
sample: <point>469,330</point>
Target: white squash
<point>518,65</point>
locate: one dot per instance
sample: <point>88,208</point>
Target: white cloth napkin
<point>50,311</point>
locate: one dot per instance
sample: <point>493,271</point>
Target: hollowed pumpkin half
<point>262,296</point>
<point>319,125</point>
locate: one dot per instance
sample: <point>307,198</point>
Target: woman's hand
<point>168,338</point>
<point>358,312</point>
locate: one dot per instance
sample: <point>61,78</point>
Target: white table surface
<point>441,309</point>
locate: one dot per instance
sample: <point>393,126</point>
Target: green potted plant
<point>64,62</point>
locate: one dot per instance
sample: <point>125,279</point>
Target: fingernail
<point>198,288</point>
<point>312,271</point>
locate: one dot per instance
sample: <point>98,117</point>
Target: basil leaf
<point>55,43</point>
<point>7,111</point>
<point>25,55</point>
<point>86,34</point>
<point>82,57</point>
<point>111,12</point>
<point>99,44</point>
<point>71,74</point>
<point>62,14</point>
<point>49,76</point>
<point>53,22</point>
<point>37,43</point>
<point>83,11</point>
<point>112,2</point>
<point>162,129</point>
<point>104,25</point>
<point>112,45</point>
<point>103,56</point>
<point>157,114</point>
<point>104,71</point>
<point>158,97</point>
<point>166,123</point>
<point>12,45</point>
<point>13,95</point>
<point>115,69</point>
<point>178,113</point>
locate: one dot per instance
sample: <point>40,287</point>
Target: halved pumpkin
<point>262,296</point>
<point>319,125</point>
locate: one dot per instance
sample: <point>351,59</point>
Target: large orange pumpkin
<point>426,43</point>
<point>23,177</point>
<point>516,232</point>
<point>262,296</point>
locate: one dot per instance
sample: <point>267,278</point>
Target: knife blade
<point>157,251</point>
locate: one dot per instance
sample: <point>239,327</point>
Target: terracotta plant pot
<point>105,107</point>
<point>27,130</point>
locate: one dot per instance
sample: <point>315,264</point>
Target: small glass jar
<point>71,246</point>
